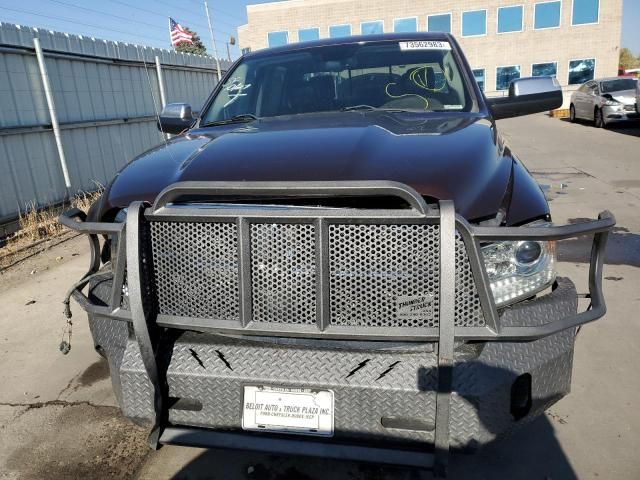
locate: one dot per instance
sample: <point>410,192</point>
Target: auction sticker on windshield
<point>425,45</point>
<point>288,410</point>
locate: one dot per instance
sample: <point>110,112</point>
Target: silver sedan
<point>605,101</point>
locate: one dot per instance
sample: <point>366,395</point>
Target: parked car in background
<point>605,101</point>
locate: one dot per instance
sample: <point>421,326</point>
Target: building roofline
<point>288,3</point>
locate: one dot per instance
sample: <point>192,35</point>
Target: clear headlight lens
<point>519,269</point>
<point>611,103</point>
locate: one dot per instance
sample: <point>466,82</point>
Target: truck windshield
<point>420,76</point>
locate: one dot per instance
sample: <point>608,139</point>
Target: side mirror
<point>526,96</point>
<point>175,118</point>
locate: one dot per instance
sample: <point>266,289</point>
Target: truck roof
<point>350,40</point>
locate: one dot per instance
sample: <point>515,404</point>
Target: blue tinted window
<point>544,69</point>
<point>585,11</point>
<point>439,23</point>
<point>308,34</point>
<point>478,74</point>
<point>547,15</point>
<point>510,19</point>
<point>371,28</point>
<point>474,23</point>
<point>405,25</point>
<point>581,71</point>
<point>504,75</point>
<point>278,38</point>
<point>336,31</point>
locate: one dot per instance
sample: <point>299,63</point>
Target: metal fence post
<point>163,98</point>
<point>52,111</point>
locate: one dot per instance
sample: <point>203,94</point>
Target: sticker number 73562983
<point>425,45</point>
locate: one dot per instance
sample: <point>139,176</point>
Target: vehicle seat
<point>408,91</point>
<point>369,89</point>
<point>300,100</point>
<point>324,92</point>
<point>313,95</point>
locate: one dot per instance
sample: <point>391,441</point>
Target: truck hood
<point>453,156</point>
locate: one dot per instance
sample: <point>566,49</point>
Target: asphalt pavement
<point>58,417</point>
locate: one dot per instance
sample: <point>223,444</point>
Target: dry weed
<point>37,224</point>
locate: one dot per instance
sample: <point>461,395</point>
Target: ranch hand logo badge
<point>415,307</point>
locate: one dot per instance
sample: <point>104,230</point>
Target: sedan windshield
<point>420,76</point>
<point>618,85</point>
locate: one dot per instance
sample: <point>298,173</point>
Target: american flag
<point>178,33</point>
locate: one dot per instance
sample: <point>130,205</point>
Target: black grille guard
<point>128,245</point>
<point>146,323</point>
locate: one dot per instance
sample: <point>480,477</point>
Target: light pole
<point>232,41</point>
<point>213,40</point>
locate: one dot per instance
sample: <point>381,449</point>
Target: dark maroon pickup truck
<point>340,257</point>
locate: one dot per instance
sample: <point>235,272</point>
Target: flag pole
<point>213,39</point>
<point>172,45</point>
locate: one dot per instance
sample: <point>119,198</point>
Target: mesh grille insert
<point>384,275</point>
<point>195,266</point>
<point>379,275</point>
<point>283,273</point>
<point>468,309</point>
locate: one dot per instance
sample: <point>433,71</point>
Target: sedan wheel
<point>597,119</point>
<point>572,113</point>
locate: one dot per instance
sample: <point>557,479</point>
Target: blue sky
<point>145,21</point>
<point>631,25</point>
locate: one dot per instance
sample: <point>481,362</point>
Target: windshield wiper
<point>244,118</point>
<point>355,108</point>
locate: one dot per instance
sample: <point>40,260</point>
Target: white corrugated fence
<point>106,96</point>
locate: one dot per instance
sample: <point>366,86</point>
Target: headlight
<point>519,269</point>
<point>611,103</point>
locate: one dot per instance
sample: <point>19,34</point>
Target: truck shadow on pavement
<point>623,247</point>
<point>530,452</point>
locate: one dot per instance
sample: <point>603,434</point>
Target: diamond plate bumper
<point>373,387</point>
